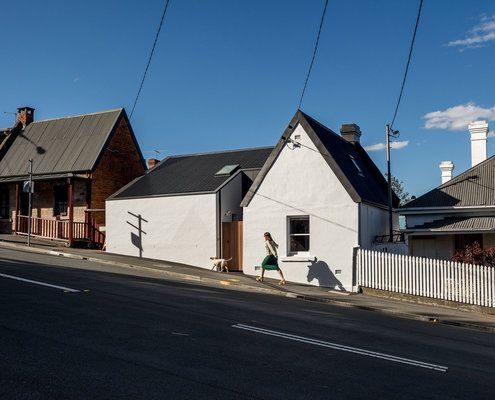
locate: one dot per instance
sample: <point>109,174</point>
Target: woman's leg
<point>282,276</point>
<point>260,278</point>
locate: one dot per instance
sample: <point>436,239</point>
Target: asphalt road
<point>122,336</point>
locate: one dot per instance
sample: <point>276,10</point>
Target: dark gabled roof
<point>457,224</point>
<point>474,187</point>
<point>365,185</point>
<point>58,146</point>
<point>194,173</point>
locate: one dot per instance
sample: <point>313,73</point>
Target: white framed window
<point>298,235</point>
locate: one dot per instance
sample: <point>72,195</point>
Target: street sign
<point>25,187</point>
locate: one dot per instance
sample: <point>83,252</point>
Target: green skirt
<point>270,263</point>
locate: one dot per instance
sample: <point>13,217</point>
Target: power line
<point>149,59</point>
<point>314,53</point>
<point>408,62</point>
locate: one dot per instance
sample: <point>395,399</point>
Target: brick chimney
<point>152,163</point>
<point>479,133</point>
<point>446,167</point>
<point>351,133</point>
<point>25,115</point>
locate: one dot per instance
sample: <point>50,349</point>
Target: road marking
<point>341,347</point>
<point>225,283</point>
<point>65,289</point>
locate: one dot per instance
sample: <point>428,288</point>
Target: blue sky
<point>228,74</point>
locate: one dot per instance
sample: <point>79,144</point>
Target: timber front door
<point>232,244</point>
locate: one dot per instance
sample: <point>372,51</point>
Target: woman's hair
<point>271,239</point>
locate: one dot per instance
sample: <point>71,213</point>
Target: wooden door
<point>232,244</point>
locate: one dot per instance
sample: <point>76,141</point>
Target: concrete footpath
<point>238,281</point>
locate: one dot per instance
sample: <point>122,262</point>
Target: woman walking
<point>270,261</point>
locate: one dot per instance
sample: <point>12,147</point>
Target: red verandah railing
<point>59,229</point>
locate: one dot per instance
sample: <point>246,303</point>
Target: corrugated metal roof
<point>193,173</point>
<point>71,144</point>
<point>474,187</point>
<point>456,224</point>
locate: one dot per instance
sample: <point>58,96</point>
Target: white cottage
<point>320,196</point>
<point>185,209</point>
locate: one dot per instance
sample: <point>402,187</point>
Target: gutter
<point>412,232</point>
<point>436,210</point>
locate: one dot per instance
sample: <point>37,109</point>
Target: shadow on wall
<point>137,239</point>
<point>321,271</point>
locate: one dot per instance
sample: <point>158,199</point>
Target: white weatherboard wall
<point>300,182</point>
<point>179,228</point>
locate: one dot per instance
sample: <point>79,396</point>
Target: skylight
<point>227,170</point>
<point>360,171</point>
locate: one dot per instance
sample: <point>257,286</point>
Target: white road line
<point>66,289</point>
<point>340,347</point>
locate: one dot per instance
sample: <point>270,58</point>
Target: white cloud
<point>491,134</point>
<point>457,118</point>
<point>399,144</point>
<point>478,36</point>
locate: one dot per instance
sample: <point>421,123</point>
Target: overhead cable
<point>150,57</point>
<point>408,62</point>
<point>314,53</point>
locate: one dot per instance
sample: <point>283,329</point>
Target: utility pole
<point>30,199</point>
<point>390,133</point>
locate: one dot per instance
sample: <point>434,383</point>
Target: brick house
<point>78,162</point>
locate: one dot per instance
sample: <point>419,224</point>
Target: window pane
<point>61,200</point>
<point>299,225</point>
<point>299,243</point>
<point>4,203</point>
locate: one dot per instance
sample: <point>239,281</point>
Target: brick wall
<point>120,164</point>
<point>44,201</point>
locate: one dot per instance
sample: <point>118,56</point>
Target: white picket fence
<point>440,279</point>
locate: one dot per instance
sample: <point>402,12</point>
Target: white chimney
<point>446,167</point>
<point>479,132</point>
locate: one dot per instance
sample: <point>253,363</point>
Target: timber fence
<point>439,279</point>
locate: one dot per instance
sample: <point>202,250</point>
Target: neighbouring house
<point>320,196</point>
<point>460,211</point>
<point>185,209</point>
<point>77,162</point>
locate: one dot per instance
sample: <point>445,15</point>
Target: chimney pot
<point>152,163</point>
<point>351,133</point>
<point>25,115</point>
<point>446,167</point>
<point>479,133</point>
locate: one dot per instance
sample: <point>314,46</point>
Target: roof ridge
<point>456,178</point>
<point>80,115</point>
<point>221,152</point>
<point>454,181</point>
<point>325,127</point>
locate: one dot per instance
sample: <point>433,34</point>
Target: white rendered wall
<point>179,228</point>
<point>374,222</point>
<point>301,183</point>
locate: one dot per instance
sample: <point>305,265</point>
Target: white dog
<point>220,264</point>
